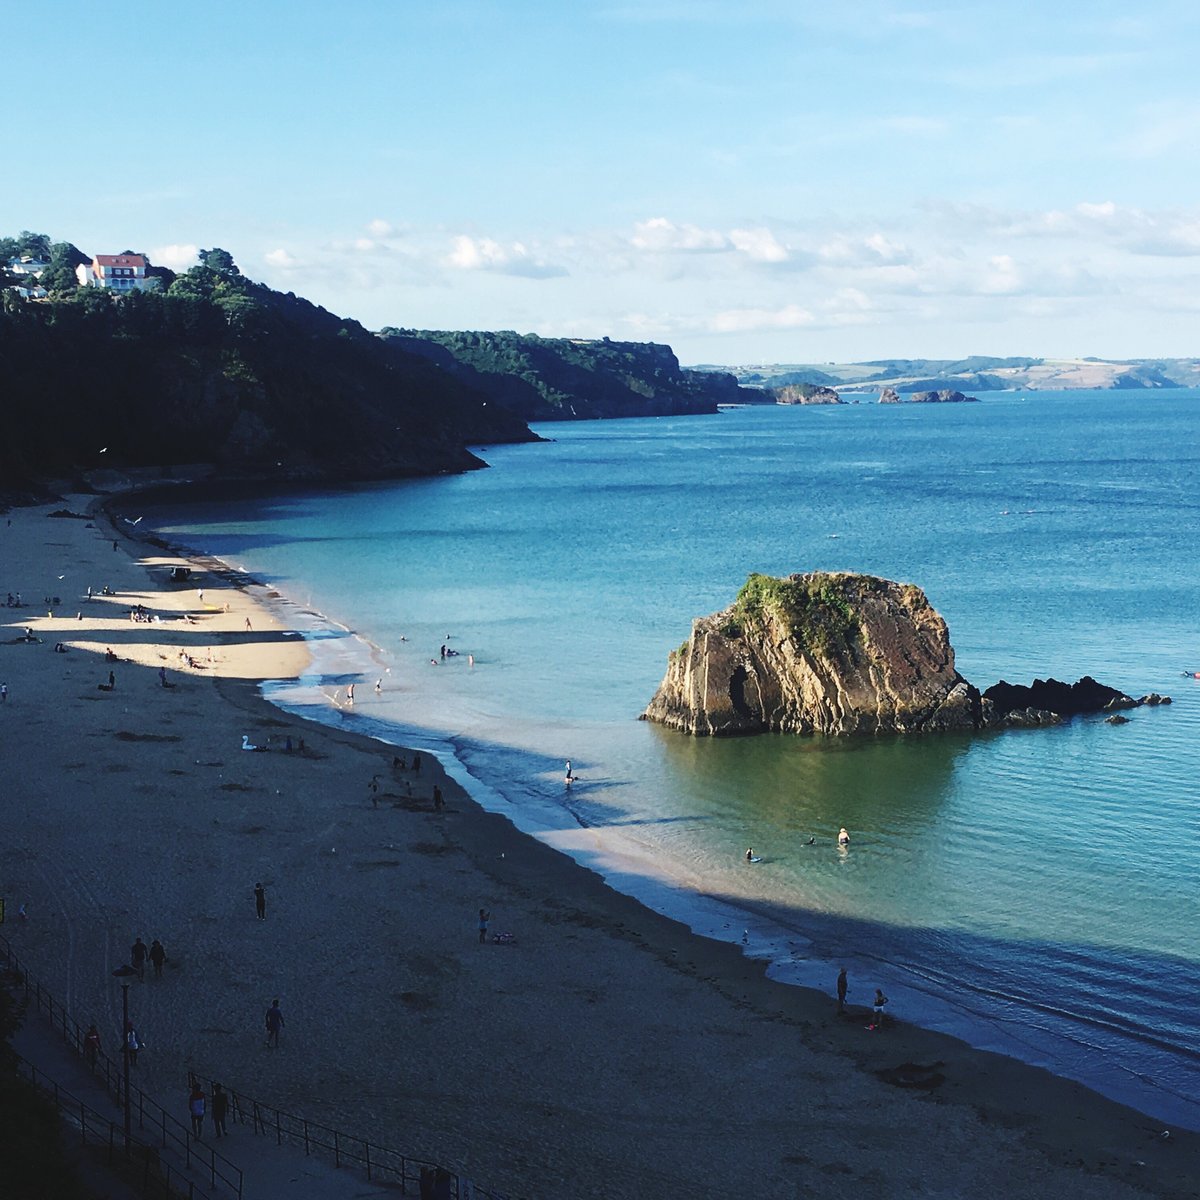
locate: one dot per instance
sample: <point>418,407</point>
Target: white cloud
<point>178,256</point>
<point>761,245</point>
<point>747,320</point>
<point>379,228</point>
<point>660,235</point>
<point>486,254</point>
<point>280,258</point>
<point>869,249</point>
<point>1001,276</point>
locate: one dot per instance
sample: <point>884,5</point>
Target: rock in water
<point>1065,699</point>
<point>831,653</point>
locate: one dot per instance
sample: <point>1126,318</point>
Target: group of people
<point>198,1106</point>
<point>843,838</point>
<point>140,954</point>
<point>877,1005</point>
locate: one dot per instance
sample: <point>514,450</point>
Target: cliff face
<point>223,371</point>
<point>556,379</point>
<point>817,653</point>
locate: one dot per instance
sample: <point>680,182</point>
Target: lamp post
<point>122,972</point>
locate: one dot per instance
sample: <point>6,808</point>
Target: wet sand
<point>606,1052</point>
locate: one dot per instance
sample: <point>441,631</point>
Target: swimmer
<point>812,841</point>
<point>843,837</point>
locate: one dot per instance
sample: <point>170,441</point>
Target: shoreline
<point>780,943</point>
<point>576,936</point>
<point>776,941</point>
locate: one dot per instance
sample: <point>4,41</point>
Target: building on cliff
<point>117,272</point>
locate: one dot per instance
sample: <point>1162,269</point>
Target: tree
<point>36,245</point>
<point>220,261</point>
<point>59,277</point>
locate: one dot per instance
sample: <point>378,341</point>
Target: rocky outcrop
<point>817,653</point>
<point>889,396</point>
<point>944,396</point>
<point>1063,699</point>
<point>806,393</point>
<point>840,653</point>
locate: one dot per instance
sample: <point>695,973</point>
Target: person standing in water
<point>843,837</point>
<point>841,990</point>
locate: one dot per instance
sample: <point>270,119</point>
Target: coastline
<point>524,1064</point>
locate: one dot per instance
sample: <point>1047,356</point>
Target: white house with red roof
<point>120,272</point>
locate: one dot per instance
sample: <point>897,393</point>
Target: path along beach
<point>607,1052</point>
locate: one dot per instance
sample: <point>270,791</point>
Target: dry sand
<point>608,1053</point>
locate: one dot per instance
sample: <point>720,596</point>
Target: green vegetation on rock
<point>817,613</point>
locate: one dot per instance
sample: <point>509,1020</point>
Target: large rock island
<point>817,653</point>
<point>842,653</point>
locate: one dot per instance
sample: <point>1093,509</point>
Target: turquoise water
<point>1032,891</point>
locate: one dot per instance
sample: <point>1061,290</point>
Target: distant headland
<point>976,373</point>
<point>119,370</point>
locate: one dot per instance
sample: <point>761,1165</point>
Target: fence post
<point>337,1157</point>
<point>367,1156</point>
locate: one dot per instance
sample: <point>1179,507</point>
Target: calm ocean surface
<point>1033,891</point>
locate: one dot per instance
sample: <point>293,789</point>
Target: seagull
<point>62,577</point>
<point>104,450</point>
<point>133,522</point>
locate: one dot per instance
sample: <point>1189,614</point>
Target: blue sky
<point>751,181</point>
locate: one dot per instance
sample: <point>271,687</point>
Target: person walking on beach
<point>438,802</point>
<point>249,627</point>
<point>196,1109</point>
<point>158,956</point>
<point>3,692</point>
<point>220,1106</point>
<point>133,1043</point>
<point>274,1022</point>
<point>841,990</point>
<point>91,1045</point>
<point>416,764</point>
<point>373,788</point>
<point>138,954</point>
<point>260,901</point>
<point>484,917</point>
<point>880,1001</point>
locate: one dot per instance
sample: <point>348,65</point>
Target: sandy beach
<point>607,1052</point>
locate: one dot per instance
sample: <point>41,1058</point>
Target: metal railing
<point>156,1179</point>
<point>381,1163</point>
<point>148,1114</point>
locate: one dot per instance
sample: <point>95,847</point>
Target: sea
<point>1033,892</point>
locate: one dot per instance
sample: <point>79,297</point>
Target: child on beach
<point>880,1001</point>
